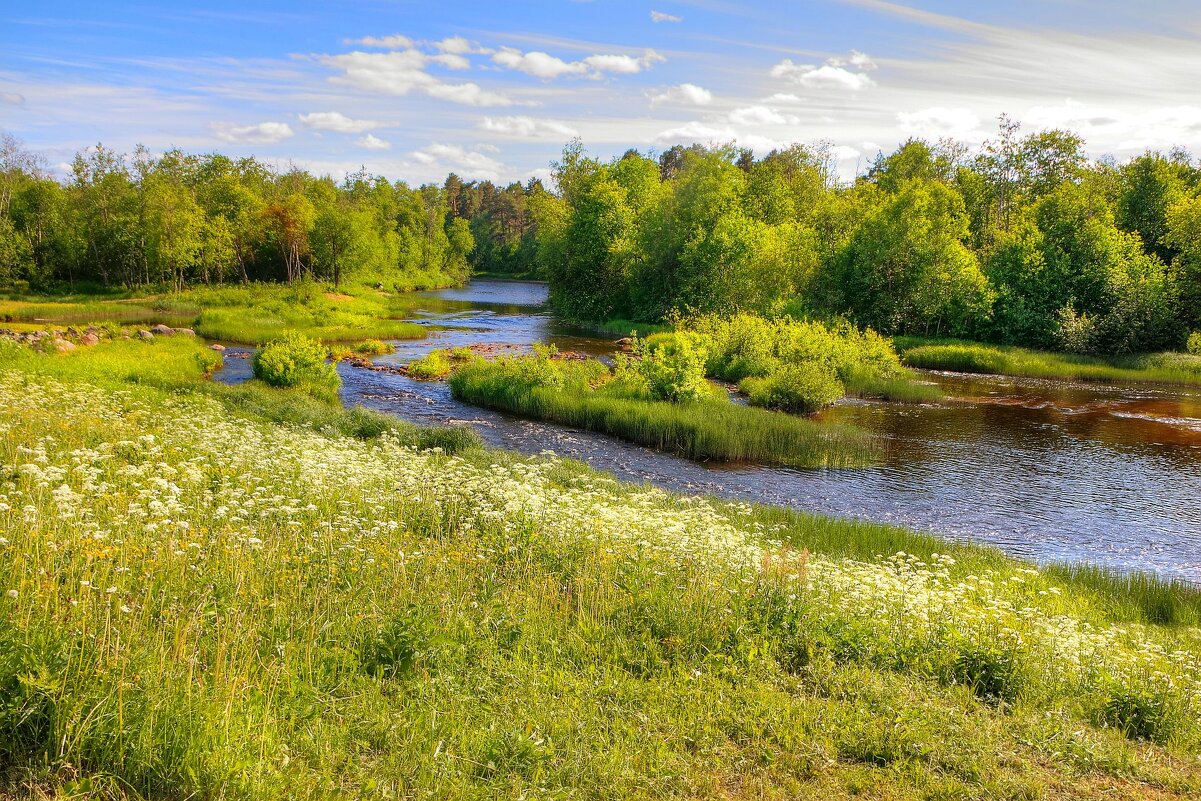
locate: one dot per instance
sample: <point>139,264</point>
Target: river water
<point>1048,470</point>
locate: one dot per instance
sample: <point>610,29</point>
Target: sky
<point>493,90</point>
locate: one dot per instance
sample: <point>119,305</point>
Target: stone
<point>217,348</point>
<point>89,339</point>
<point>63,346</point>
<point>187,332</point>
<point>145,335</point>
<point>163,330</point>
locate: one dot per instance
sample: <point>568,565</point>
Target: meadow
<point>202,601</point>
<point>1183,369</point>
<point>249,314</point>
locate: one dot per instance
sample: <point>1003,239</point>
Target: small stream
<point>1048,470</point>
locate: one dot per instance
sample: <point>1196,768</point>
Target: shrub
<point>295,360</point>
<point>372,347</point>
<point>1138,715</point>
<point>1194,343</point>
<point>802,387</point>
<point>992,674</point>
<point>671,368</point>
<point>433,366</point>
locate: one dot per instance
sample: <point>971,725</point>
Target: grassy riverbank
<point>585,395</point>
<point>246,314</point>
<point>204,604</point>
<point>971,357</point>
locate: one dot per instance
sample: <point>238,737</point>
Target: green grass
<point>227,607</point>
<point>970,357</point>
<point>438,364</point>
<point>904,387</point>
<point>178,365</point>
<point>705,429</point>
<point>245,314</point>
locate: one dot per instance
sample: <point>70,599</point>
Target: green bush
<point>670,368</point>
<point>295,360</point>
<point>372,347</point>
<point>1194,343</point>
<point>802,387</point>
<point>1138,715</point>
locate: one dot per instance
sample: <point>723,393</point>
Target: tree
<point>907,270</point>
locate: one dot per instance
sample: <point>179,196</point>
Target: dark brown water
<point>1044,469</point>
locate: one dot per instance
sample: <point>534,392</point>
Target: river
<point>1047,470</point>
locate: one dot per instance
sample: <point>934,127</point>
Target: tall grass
<point>967,357</point>
<point>704,429</point>
<point>194,605</point>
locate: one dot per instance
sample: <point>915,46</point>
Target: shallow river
<point>1049,470</point>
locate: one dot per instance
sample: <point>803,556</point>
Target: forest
<point>1021,241</point>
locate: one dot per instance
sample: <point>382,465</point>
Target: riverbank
<point>247,314</point>
<point>230,584</point>
<point>1180,369</point>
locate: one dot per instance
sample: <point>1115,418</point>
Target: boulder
<point>89,339</point>
<point>163,330</point>
<point>187,332</point>
<point>145,335</point>
<point>63,346</point>
<point>217,348</point>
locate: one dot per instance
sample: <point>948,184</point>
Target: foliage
<point>804,387</point>
<point>585,395</point>
<point>180,220</point>
<point>294,360</point>
<point>1022,242</point>
<point>438,364</point>
<point>670,370</point>
<point>1194,343</point>
<point>372,347</point>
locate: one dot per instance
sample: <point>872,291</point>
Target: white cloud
<point>393,42</point>
<point>537,63</point>
<point>627,65</point>
<point>760,115</point>
<point>784,97</point>
<point>372,142</point>
<point>659,16</point>
<point>696,131</point>
<point>831,75</point>
<point>844,153</point>
<point>940,121</point>
<point>336,121</point>
<point>455,44</point>
<point>528,127</point>
<point>544,65</point>
<point>452,61</point>
<point>264,133</point>
<point>402,71</point>
<point>682,93</point>
<point>15,98</point>
<point>449,157</point>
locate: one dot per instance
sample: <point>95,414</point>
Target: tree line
<point>177,220</point>
<point>1022,241</point>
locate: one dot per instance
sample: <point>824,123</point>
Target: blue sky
<point>494,89</point>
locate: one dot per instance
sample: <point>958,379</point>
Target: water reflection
<point>1044,469</point>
